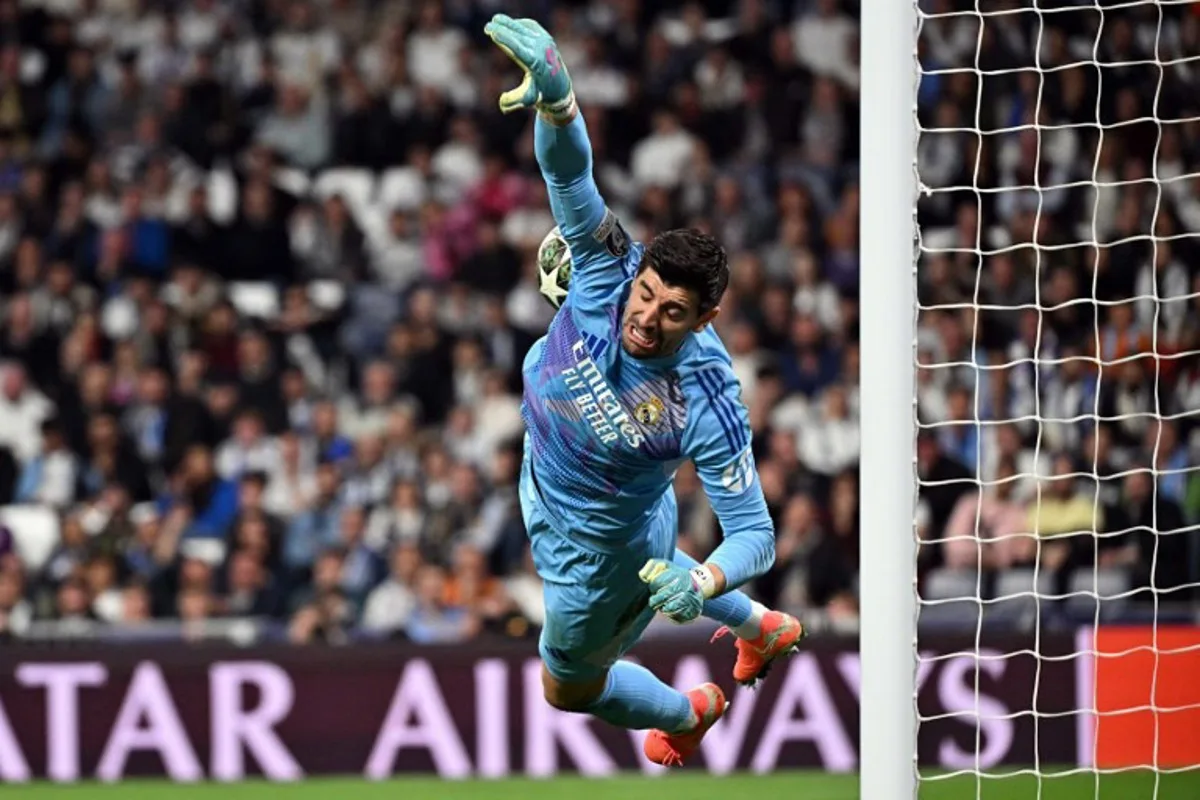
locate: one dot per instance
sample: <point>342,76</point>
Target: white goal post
<point>1055,141</point>
<point>888,720</point>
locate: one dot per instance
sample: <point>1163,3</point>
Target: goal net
<point>1057,393</point>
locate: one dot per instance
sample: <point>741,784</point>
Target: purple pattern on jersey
<point>605,432</point>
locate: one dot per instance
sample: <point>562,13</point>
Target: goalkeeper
<point>629,381</point>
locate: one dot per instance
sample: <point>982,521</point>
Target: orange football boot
<point>780,636</point>
<point>670,749</point>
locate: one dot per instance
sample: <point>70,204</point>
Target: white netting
<point>1058,381</point>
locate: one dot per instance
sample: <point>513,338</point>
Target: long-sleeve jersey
<point>608,431</point>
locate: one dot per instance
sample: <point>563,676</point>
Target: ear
<point>706,318</point>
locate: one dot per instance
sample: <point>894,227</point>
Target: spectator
<point>316,526</point>
<point>206,500</point>
<point>249,450</point>
<point>16,612</point>
<point>825,41</point>
<point>361,567</point>
<point>79,96</point>
<point>50,477</point>
<point>989,528</point>
<point>1153,541</point>
<point>391,604</point>
<point>23,409</point>
<point>470,586</point>
<point>145,418</point>
<point>72,609</point>
<point>829,445</point>
<point>813,362</point>
<point>832,563</point>
<point>660,159</point>
<point>328,443</point>
<point>250,591</point>
<point>435,621</point>
<point>101,576</point>
<point>330,243</point>
<point>264,380</point>
<point>135,605</point>
<point>258,380</point>
<point>434,50</point>
<point>297,128</point>
<point>1064,512</point>
<point>292,484</point>
<point>257,242</point>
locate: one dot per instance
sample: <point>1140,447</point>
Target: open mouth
<point>639,337</point>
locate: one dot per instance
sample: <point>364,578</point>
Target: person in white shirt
<point>824,40</point>
<point>293,483</point>
<point>390,605</point>
<point>829,444</point>
<point>49,478</point>
<point>23,409</point>
<point>248,450</point>
<point>662,157</point>
<point>434,50</point>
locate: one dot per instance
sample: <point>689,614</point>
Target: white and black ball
<point>554,268</point>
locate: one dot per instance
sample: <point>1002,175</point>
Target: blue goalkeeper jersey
<point>607,431</point>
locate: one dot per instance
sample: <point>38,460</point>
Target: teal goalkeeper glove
<point>546,86</point>
<point>673,591</point>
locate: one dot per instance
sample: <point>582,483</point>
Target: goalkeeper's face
<point>659,316</point>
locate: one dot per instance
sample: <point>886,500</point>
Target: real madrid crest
<point>649,412</point>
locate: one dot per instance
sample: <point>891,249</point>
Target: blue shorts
<point>596,606</point>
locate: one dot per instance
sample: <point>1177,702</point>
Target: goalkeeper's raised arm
<point>563,151</point>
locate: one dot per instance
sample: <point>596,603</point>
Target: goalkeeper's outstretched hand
<point>673,591</point>
<point>546,86</point>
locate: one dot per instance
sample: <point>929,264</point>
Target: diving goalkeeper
<point>629,381</point>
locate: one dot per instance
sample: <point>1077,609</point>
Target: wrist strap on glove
<point>559,112</point>
<point>705,581</point>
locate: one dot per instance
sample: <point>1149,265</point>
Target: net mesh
<point>1058,382</point>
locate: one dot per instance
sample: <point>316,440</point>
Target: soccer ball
<point>554,268</point>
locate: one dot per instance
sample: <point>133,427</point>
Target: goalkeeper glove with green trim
<point>546,85</point>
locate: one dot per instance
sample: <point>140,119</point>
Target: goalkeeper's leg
<point>580,645</point>
<point>596,608</point>
<point>762,635</point>
<point>582,678</point>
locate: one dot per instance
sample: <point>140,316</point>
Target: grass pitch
<point>691,786</point>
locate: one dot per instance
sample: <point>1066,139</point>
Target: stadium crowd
<point>267,281</point>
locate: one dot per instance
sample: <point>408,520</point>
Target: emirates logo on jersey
<point>596,402</point>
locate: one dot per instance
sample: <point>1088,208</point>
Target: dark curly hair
<point>692,260</point>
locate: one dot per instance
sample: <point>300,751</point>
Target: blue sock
<point>633,698</point>
<point>731,608</point>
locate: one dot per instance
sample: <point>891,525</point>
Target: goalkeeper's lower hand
<point>673,591</point>
<point>546,86</point>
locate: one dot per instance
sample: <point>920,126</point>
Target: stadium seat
<point>327,295</point>
<point>35,533</point>
<point>222,195</point>
<point>210,551</point>
<point>950,599</point>
<point>356,187</point>
<point>292,181</point>
<point>374,224</point>
<point>1088,587</point>
<point>403,188</point>
<point>255,299</point>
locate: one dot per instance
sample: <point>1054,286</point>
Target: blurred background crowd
<point>266,279</point>
<point>1060,283</point>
